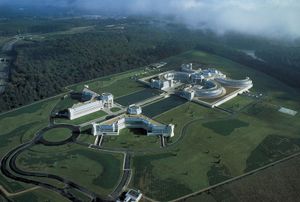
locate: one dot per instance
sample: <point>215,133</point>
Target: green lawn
<point>119,84</point>
<point>57,134</point>
<point>209,146</point>
<point>97,171</point>
<point>239,103</point>
<point>215,146</point>
<point>39,195</point>
<point>225,127</point>
<point>83,119</point>
<point>115,109</point>
<point>132,139</point>
<point>20,126</point>
<point>65,103</point>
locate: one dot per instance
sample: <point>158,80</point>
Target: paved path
<point>8,194</point>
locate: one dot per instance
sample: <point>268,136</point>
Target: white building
<point>108,100</point>
<point>83,109</point>
<point>133,196</point>
<point>188,93</point>
<point>115,125</point>
<point>161,84</point>
<point>134,110</point>
<point>95,103</point>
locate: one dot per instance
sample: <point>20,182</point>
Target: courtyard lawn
<point>97,171</point>
<point>115,109</point>
<point>132,139</point>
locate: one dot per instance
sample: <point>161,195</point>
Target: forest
<point>41,69</point>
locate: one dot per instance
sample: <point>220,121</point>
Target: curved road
<point>8,163</point>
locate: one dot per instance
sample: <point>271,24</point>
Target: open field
<point>238,103</point>
<point>98,172</point>
<point>119,84</point>
<point>277,183</point>
<point>20,126</point>
<point>209,146</point>
<point>217,146</point>
<point>39,195</point>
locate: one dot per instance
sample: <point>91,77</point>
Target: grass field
<point>209,145</point>
<point>132,139</point>
<point>57,134</point>
<point>39,195</point>
<point>113,84</point>
<point>20,126</point>
<point>217,146</point>
<point>277,183</point>
<point>98,172</point>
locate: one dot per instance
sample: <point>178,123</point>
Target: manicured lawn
<point>119,84</point>
<point>97,171</point>
<point>238,103</point>
<point>20,126</point>
<point>115,109</point>
<point>65,103</point>
<point>225,127</point>
<point>132,139</point>
<point>57,134</point>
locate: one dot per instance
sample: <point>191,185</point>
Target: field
<point>39,195</point>
<point>20,126</point>
<point>215,145</point>
<point>99,172</point>
<point>209,146</point>
<point>277,183</point>
<point>132,139</point>
<point>57,135</point>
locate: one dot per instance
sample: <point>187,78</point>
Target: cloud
<point>270,18</point>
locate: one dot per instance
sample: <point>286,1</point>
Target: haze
<point>268,18</point>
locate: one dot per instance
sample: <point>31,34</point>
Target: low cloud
<point>269,18</point>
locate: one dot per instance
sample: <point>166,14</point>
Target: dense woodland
<point>43,68</point>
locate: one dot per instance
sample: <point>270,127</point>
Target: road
<point>9,167</point>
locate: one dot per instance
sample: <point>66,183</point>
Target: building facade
<point>95,103</point>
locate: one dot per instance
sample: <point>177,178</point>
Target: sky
<point>269,18</point>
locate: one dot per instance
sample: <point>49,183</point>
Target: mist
<point>267,18</point>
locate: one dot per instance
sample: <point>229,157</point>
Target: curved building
<point>210,90</point>
<point>235,83</point>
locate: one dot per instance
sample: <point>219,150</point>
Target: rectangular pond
<point>162,106</point>
<point>137,97</point>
